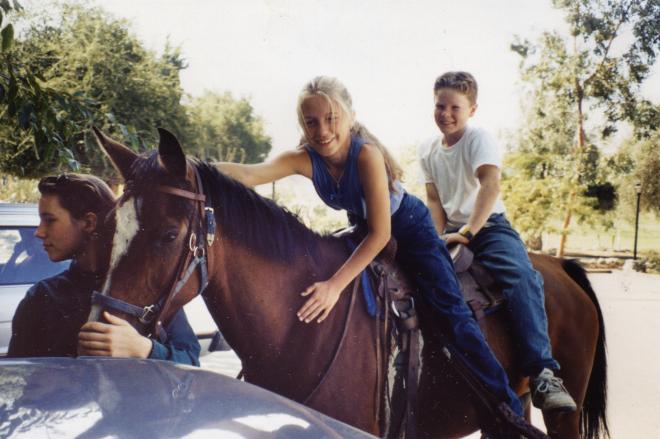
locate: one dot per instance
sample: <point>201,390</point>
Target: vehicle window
<point>23,259</point>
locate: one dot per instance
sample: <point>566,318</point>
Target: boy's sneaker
<point>549,393</point>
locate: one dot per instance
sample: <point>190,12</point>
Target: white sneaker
<point>549,393</point>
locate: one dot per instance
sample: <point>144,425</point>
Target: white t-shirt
<point>453,171</point>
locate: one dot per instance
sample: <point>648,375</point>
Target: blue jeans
<point>425,258</point>
<point>501,251</point>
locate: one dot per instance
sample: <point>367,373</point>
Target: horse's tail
<point>593,419</point>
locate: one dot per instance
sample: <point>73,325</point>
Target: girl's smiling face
<point>326,126</point>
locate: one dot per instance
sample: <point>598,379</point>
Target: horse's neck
<point>255,303</point>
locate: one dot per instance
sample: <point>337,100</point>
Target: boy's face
<point>452,111</point>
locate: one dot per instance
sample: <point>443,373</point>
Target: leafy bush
<point>15,190</point>
<point>650,263</point>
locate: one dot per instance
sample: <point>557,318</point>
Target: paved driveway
<point>631,306</point>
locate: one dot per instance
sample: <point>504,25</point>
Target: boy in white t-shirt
<point>462,174</point>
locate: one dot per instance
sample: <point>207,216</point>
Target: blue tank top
<point>346,193</point>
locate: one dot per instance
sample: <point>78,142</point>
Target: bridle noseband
<point>202,222</point>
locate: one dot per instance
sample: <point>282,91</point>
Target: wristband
<point>465,232</point>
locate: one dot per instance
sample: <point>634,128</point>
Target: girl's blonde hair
<point>337,94</point>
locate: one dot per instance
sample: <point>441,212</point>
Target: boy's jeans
<point>425,258</point>
<point>501,251</point>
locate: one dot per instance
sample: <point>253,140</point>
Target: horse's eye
<point>169,237</point>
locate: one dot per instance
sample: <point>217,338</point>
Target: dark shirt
<point>347,193</point>
<point>49,318</point>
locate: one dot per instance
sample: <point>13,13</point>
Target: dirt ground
<point>631,307</point>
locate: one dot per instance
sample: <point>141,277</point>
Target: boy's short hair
<point>463,82</point>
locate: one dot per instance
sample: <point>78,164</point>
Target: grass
<point>620,238</point>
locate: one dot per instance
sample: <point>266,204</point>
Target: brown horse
<point>262,258</point>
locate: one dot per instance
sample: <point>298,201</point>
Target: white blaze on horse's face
<point>127,228</point>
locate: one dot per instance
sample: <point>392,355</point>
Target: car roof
<point>12,214</point>
<point>100,397</point>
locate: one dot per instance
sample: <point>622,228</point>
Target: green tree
<point>226,129</point>
<point>638,161</point>
<point>539,169</point>
<point>85,52</point>
<point>18,190</point>
<point>584,73</point>
<point>33,125</point>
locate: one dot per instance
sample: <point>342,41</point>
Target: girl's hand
<point>117,338</point>
<point>324,297</point>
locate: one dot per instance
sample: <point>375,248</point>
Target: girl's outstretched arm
<point>283,165</point>
<point>373,177</point>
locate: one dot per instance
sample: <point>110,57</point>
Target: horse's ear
<point>121,156</point>
<point>170,153</point>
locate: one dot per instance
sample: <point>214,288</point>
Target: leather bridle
<point>202,224</point>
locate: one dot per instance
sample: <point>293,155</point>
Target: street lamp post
<point>638,190</point>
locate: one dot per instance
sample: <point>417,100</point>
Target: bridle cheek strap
<point>202,219</point>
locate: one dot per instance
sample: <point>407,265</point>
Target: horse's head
<point>160,236</point>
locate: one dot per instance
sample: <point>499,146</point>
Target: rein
<point>349,313</point>
<point>202,222</point>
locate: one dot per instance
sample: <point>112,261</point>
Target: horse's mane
<point>257,222</point>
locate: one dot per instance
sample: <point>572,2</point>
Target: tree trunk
<point>579,150</point>
<point>564,228</point>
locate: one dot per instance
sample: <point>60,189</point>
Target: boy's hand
<point>324,297</point>
<point>455,238</point>
<point>117,338</point>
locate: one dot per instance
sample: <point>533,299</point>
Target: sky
<point>387,52</point>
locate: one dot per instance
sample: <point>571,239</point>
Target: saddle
<point>480,290</point>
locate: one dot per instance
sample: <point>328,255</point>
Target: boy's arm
<point>489,180</point>
<point>435,206</point>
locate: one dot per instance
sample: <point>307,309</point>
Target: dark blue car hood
<point>125,398</point>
